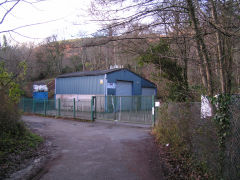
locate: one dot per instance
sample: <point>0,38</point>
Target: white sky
<point>65,12</point>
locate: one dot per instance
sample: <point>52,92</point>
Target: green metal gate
<point>132,109</point>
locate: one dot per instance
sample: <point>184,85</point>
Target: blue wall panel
<point>92,85</point>
<point>80,85</point>
<point>125,75</point>
<point>40,95</point>
<point>147,84</point>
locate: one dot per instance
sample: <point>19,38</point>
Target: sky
<point>69,19</point>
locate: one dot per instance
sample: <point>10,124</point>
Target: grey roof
<point>96,73</point>
<point>89,73</point>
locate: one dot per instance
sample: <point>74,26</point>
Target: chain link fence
<point>232,160</point>
<point>181,126</point>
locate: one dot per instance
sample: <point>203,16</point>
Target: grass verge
<point>16,149</point>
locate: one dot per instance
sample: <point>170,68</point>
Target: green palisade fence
<point>132,109</point>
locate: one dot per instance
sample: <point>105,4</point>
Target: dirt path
<point>97,151</point>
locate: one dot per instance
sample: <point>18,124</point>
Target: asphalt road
<point>97,151</point>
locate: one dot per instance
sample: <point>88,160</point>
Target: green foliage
<point>14,137</point>
<point>16,144</point>
<point>20,147</point>
<point>167,132</point>
<point>222,120</point>
<point>176,133</point>
<point>67,69</point>
<point>161,56</point>
<point>9,114</point>
<point>8,81</point>
<point>76,62</point>
<point>176,92</point>
<point>197,91</point>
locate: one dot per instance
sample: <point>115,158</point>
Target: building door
<point>124,93</point>
<point>124,88</point>
<point>148,91</point>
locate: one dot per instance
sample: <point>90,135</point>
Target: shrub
<point>15,138</point>
<point>189,140</point>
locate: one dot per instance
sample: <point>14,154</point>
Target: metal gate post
<point>74,107</point>
<point>115,109</point>
<point>45,109</point>
<point>95,110</point>
<point>153,111</point>
<point>59,105</point>
<point>33,110</point>
<point>23,104</point>
<point>92,107</point>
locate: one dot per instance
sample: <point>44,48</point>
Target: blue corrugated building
<point>118,82</point>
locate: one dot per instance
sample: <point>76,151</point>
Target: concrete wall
<point>76,96</point>
<point>82,102</point>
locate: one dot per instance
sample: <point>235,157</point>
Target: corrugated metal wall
<point>147,84</point>
<point>80,85</point>
<point>124,75</point>
<point>98,85</point>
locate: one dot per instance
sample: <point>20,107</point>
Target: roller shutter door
<point>124,88</point>
<point>148,91</point>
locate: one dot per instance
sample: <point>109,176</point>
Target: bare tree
<point>205,32</point>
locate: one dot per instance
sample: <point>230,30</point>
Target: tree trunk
<point>229,65</point>
<point>220,51</point>
<point>201,47</point>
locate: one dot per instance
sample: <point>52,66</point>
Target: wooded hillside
<point>188,48</point>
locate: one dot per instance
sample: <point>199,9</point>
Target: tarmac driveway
<point>97,151</point>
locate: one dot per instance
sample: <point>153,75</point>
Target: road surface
<point>97,151</point>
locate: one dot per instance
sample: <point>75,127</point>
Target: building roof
<point>96,73</point>
<point>89,73</point>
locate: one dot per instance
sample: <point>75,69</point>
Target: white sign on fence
<point>157,104</point>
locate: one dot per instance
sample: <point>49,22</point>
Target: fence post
<point>153,111</point>
<point>120,107</point>
<point>33,110</point>
<point>59,105</point>
<point>23,104</point>
<point>114,107</point>
<point>95,110</point>
<point>45,108</point>
<point>92,108</point>
<point>74,106</point>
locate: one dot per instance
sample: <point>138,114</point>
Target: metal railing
<point>70,108</point>
<point>132,109</point>
<point>182,122</point>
